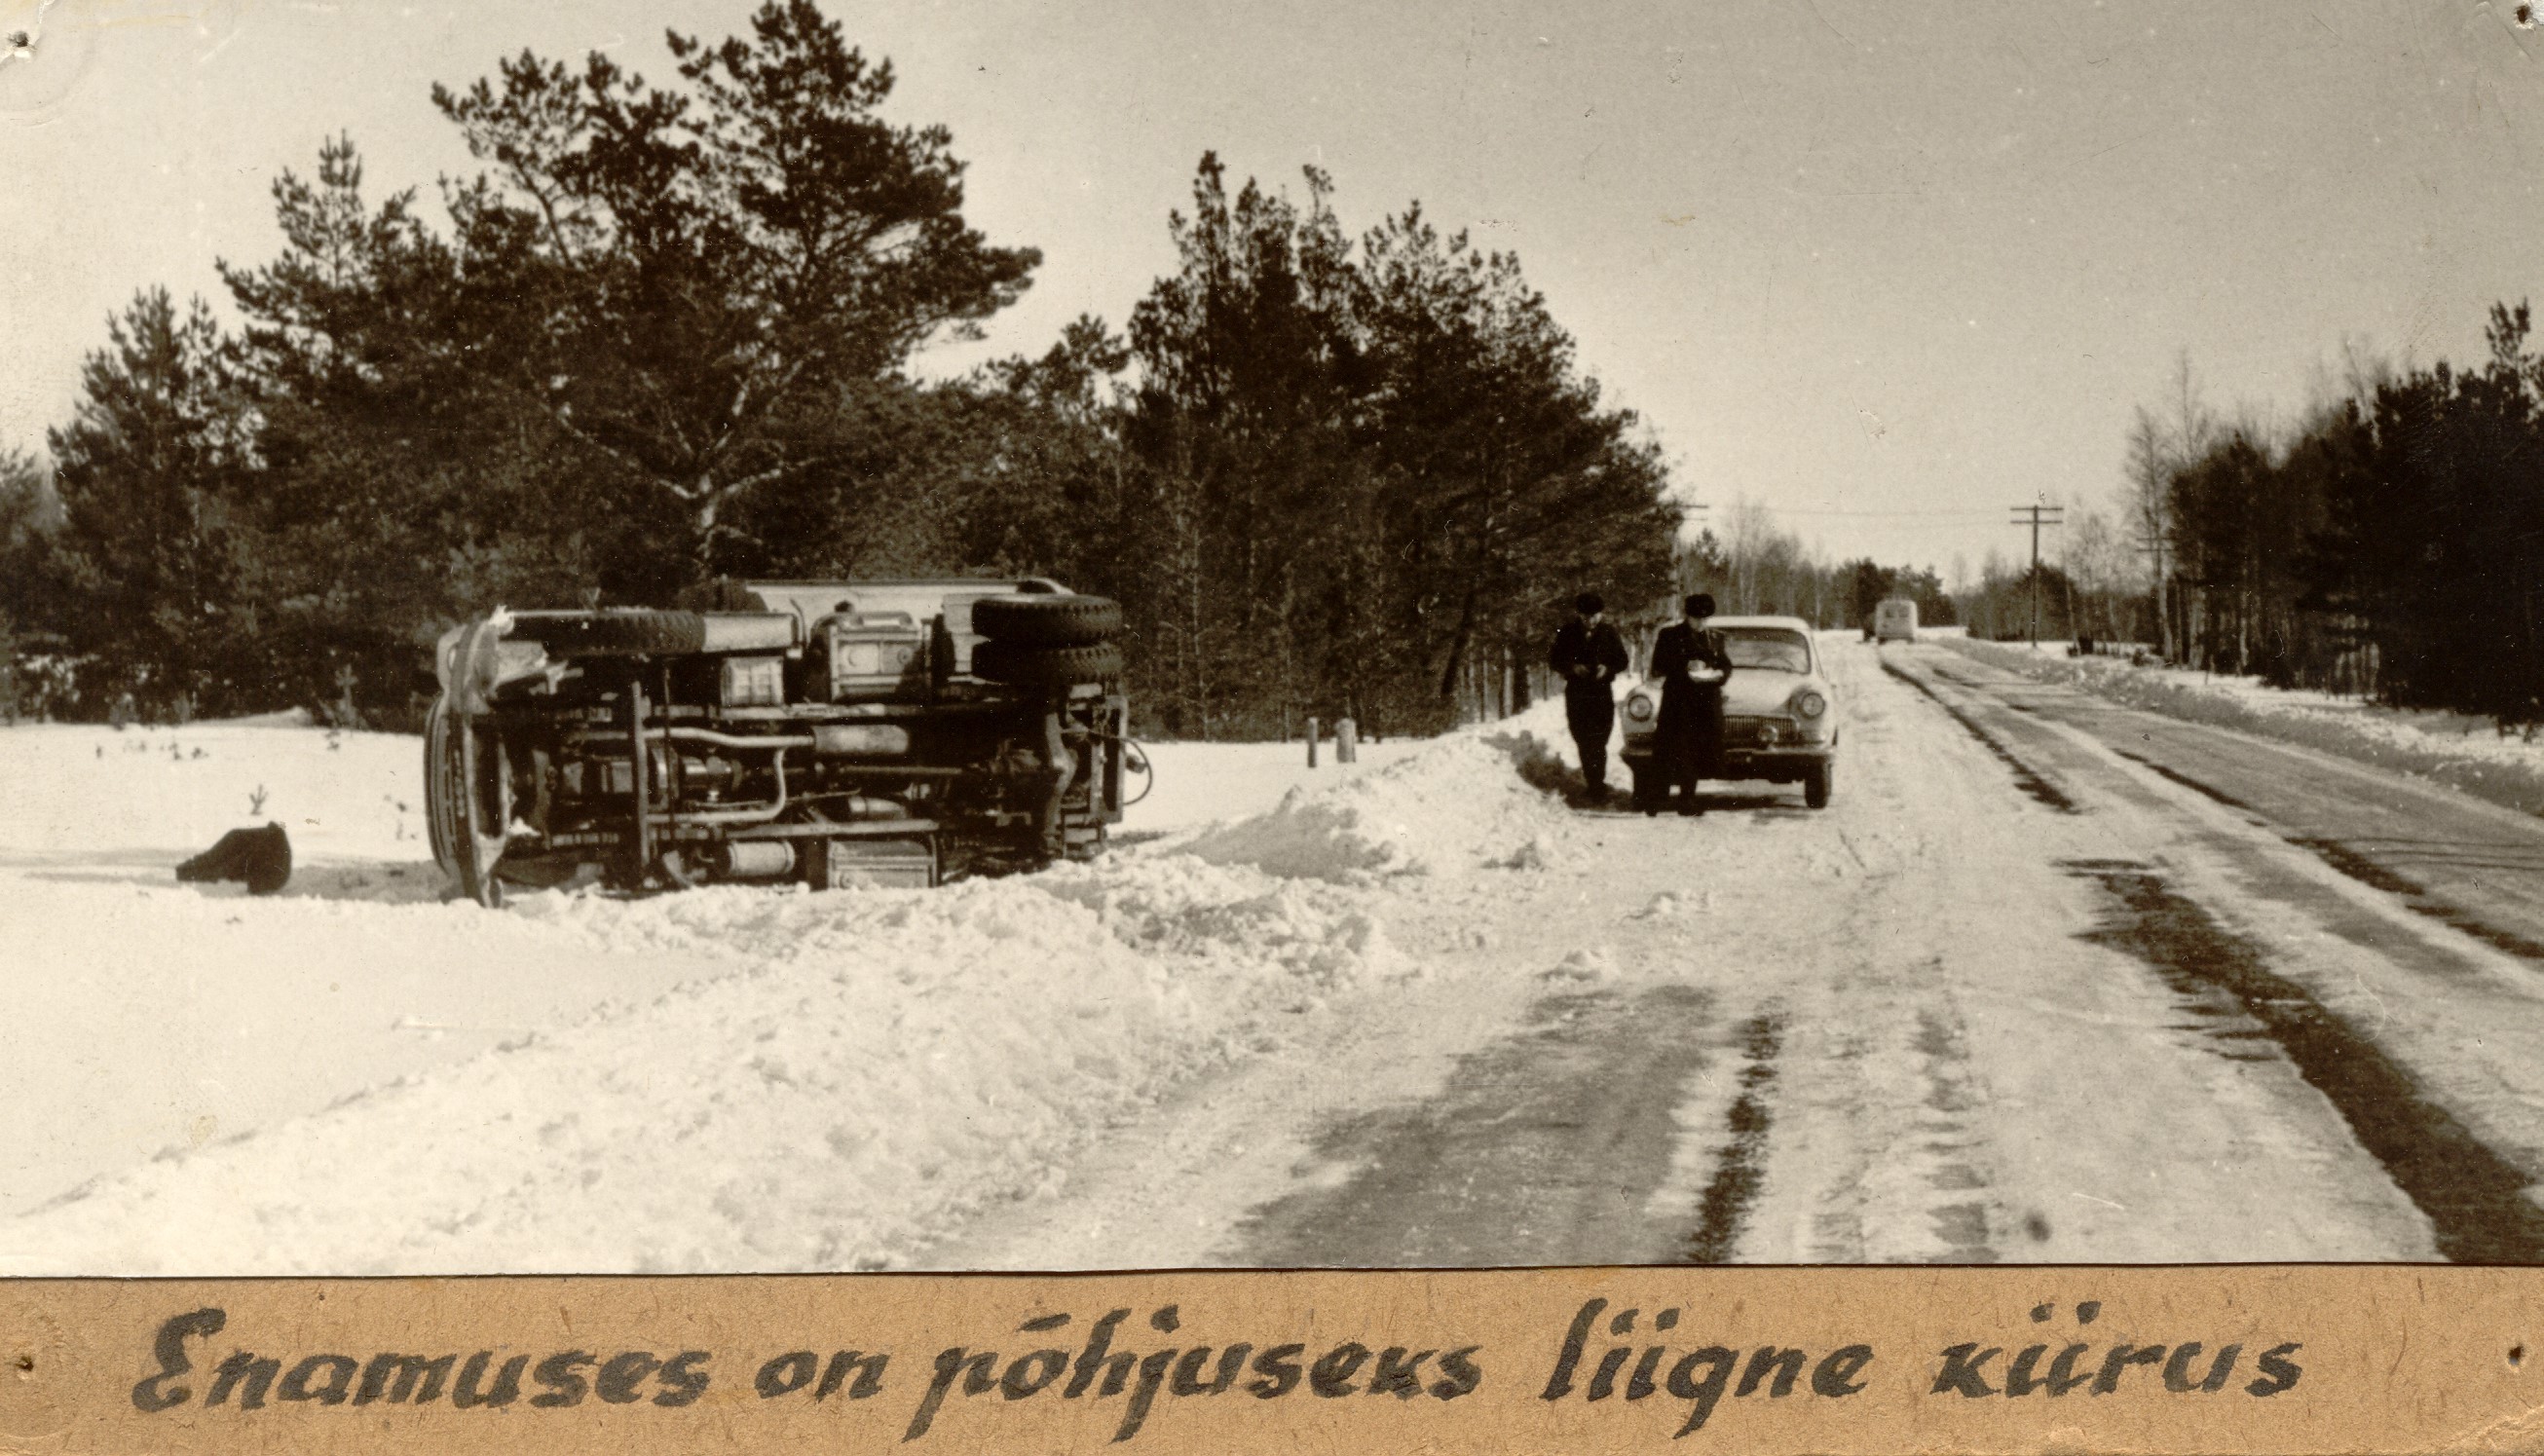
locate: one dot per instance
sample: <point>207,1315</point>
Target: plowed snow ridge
<point>889,1061</point>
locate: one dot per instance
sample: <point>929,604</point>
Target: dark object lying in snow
<point>259,857</point>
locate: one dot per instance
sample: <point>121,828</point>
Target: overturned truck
<point>830,733</point>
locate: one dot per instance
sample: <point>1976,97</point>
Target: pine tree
<point>147,471</point>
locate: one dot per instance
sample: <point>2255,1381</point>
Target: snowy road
<point>2050,980</point>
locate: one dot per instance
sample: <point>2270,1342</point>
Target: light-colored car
<point>1895,620</point>
<point>1779,711</point>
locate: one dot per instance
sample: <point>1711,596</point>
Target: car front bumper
<point>1746,756</point>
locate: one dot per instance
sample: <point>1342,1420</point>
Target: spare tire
<point>627,632</point>
<point>621,632</point>
<point>1059,620</point>
<point>1020,666</point>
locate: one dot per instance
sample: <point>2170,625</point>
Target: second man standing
<point>1589,655</point>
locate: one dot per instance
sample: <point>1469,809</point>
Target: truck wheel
<point>1047,621</point>
<point>467,801</point>
<point>629,633</point>
<point>1020,666</point>
<point>1816,785</point>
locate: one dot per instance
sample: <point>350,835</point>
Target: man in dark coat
<point>1588,653</point>
<point>1686,742</point>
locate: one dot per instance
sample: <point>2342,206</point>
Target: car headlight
<point>1810,705</point>
<point>1640,708</point>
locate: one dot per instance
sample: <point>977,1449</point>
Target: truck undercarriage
<point>828,733</point>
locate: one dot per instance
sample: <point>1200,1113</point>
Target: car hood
<point>1759,692</point>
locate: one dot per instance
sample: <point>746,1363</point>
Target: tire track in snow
<point>1544,1147</point>
<point>1740,1168</point>
<point>2415,895</point>
<point>2474,1199</point>
<point>1963,1225</point>
<point>2026,777</point>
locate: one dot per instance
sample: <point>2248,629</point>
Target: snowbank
<point>887,1061</point>
<point>2465,753</point>
<point>1203,783</point>
<point>896,1059</point>
<point>1472,799</point>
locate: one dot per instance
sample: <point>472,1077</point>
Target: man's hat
<point>1589,603</point>
<point>1700,605</point>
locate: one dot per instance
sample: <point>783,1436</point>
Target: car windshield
<point>1769,648</point>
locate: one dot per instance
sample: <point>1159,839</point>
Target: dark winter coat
<point>1688,739</point>
<point>1586,647</point>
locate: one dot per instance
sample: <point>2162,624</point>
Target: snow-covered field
<point>731,1078</point>
<point>2455,749</point>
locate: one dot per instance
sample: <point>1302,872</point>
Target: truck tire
<point>467,801</point>
<point>1047,621</point>
<point>628,633</point>
<point>443,813</point>
<point>1021,665</point>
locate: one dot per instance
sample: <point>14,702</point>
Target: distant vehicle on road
<point>1779,710</point>
<point>1895,620</point>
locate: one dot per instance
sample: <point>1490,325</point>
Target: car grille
<point>1755,732</point>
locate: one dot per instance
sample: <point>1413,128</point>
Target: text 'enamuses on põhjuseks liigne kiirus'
<point>1619,1354</point>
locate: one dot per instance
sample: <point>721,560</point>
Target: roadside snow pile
<point>891,1061</point>
<point>2468,754</point>
<point>1199,783</point>
<point>1477,797</point>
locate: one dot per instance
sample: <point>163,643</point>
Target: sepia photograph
<point>804,636</point>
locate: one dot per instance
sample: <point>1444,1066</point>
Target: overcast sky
<point>1886,267</point>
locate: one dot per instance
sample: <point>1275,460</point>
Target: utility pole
<point>1691,513</point>
<point>2038,516</point>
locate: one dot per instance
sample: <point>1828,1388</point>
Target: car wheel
<point>1816,785</point>
<point>1047,621</point>
<point>1020,666</point>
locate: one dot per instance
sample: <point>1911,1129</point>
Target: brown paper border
<point>2359,1358</point>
